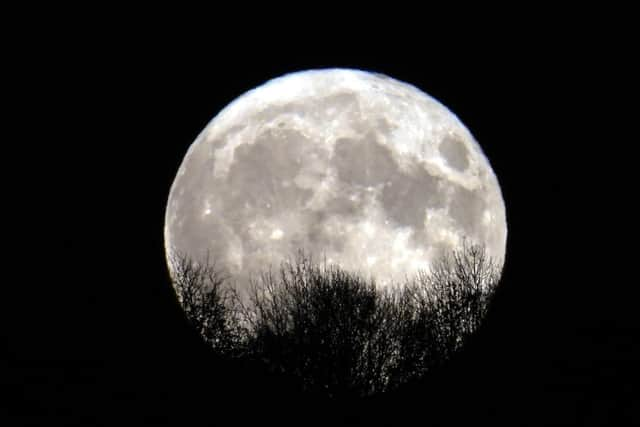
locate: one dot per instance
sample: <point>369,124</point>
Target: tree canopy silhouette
<point>334,331</point>
<point>209,303</point>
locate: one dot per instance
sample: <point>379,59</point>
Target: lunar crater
<point>454,152</point>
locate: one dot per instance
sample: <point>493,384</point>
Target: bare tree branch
<point>337,332</point>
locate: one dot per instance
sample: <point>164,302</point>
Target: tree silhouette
<point>328,327</point>
<point>440,309</point>
<point>208,302</point>
<point>338,333</point>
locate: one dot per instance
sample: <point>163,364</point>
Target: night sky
<point>101,340</point>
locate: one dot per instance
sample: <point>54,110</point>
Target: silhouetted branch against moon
<point>378,178</point>
<point>337,332</point>
<point>210,304</point>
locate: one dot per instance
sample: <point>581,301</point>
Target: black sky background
<point>102,340</point>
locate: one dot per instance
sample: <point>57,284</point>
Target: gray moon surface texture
<point>353,167</point>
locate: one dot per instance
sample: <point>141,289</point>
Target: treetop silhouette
<point>334,331</point>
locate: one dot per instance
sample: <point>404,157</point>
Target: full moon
<point>355,168</point>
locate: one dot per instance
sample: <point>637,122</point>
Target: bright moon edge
<point>417,127</point>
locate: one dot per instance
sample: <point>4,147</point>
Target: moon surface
<point>357,168</point>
